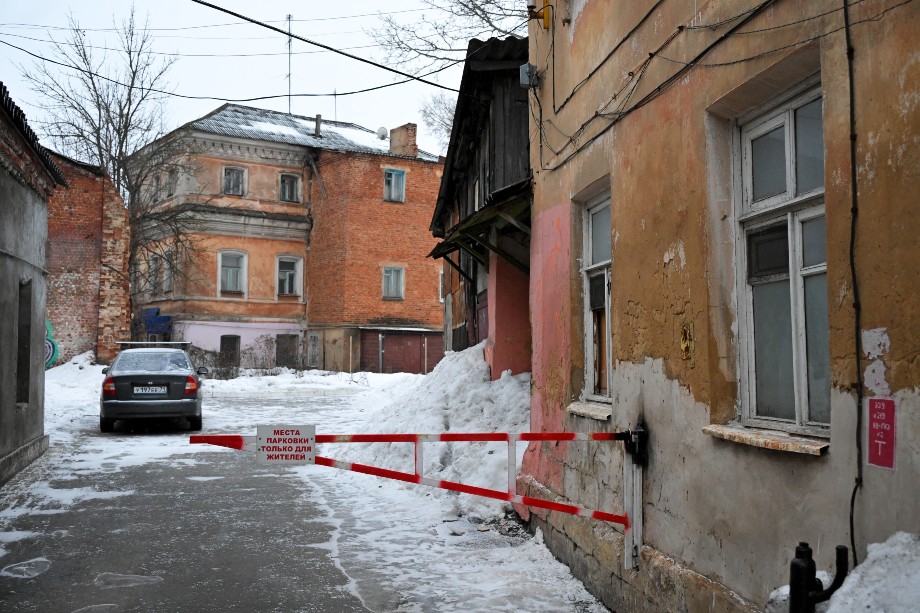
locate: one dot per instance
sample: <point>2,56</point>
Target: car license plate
<point>150,389</point>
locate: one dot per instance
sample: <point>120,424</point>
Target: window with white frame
<point>784,331</point>
<point>156,272</point>
<point>394,185</point>
<point>232,272</point>
<point>596,278</point>
<point>392,283</point>
<point>289,268</point>
<point>172,180</point>
<point>290,188</point>
<point>169,264</point>
<point>234,181</point>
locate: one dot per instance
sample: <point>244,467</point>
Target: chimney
<point>402,140</point>
<point>317,122</point>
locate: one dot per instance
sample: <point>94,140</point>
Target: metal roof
<point>18,119</point>
<point>273,126</point>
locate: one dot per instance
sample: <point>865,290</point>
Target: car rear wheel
<point>106,425</point>
<point>194,423</point>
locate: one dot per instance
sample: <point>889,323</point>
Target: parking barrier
<point>634,445</point>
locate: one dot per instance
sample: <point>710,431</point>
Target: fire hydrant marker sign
<point>881,433</point>
<point>285,445</point>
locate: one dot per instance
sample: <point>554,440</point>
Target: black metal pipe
<point>805,589</point>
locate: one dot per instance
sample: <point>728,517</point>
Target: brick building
<point>87,262</point>
<point>308,244</point>
<point>28,177</point>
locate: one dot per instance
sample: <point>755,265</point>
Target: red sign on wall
<point>881,432</point>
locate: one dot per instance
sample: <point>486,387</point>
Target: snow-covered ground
<point>440,550</point>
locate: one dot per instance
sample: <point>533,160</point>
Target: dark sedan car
<point>151,382</point>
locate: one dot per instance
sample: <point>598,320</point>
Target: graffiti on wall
<point>51,348</point>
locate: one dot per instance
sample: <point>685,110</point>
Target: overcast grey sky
<point>216,55</point>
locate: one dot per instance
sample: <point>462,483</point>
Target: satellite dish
<point>382,133</point>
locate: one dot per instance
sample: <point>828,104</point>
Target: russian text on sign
<point>285,445</point>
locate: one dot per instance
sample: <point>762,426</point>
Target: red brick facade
<point>357,233</point>
<point>87,258</point>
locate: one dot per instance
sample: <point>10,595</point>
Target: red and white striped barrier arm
<point>248,443</point>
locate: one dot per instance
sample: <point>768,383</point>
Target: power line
<point>213,25</point>
<point>615,116</point>
<point>180,55</point>
<point>215,98</point>
<point>322,46</point>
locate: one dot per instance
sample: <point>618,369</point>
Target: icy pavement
<point>402,547</point>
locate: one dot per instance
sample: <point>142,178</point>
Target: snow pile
<point>457,396</point>
<point>286,382</point>
<point>888,579</point>
<point>72,395</point>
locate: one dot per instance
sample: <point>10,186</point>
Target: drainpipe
<point>380,353</point>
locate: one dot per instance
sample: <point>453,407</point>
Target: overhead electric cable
<point>163,53</point>
<point>216,98</point>
<point>327,47</point>
<point>212,25</point>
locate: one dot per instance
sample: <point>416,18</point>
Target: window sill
<point>591,410</point>
<point>393,298</point>
<point>768,439</point>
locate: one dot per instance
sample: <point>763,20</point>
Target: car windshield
<point>152,362</point>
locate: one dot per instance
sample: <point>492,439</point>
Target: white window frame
<point>792,210</point>
<point>244,269</point>
<point>298,275</point>
<point>155,271</point>
<point>394,192</point>
<point>293,197</point>
<point>169,262</point>
<point>588,271</point>
<point>388,271</point>
<point>243,180</point>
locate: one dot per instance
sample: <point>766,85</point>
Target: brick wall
<point>87,258</point>
<point>357,233</point>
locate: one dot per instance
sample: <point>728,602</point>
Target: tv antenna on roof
<point>290,41</point>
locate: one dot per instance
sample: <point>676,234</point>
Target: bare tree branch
<point>108,110</point>
<point>438,114</point>
<point>441,36</point>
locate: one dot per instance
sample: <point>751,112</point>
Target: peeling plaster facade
<point>647,105</point>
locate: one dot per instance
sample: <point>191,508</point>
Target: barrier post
<point>634,459</point>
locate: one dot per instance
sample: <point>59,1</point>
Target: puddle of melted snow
<point>27,569</point>
<point>113,580</point>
